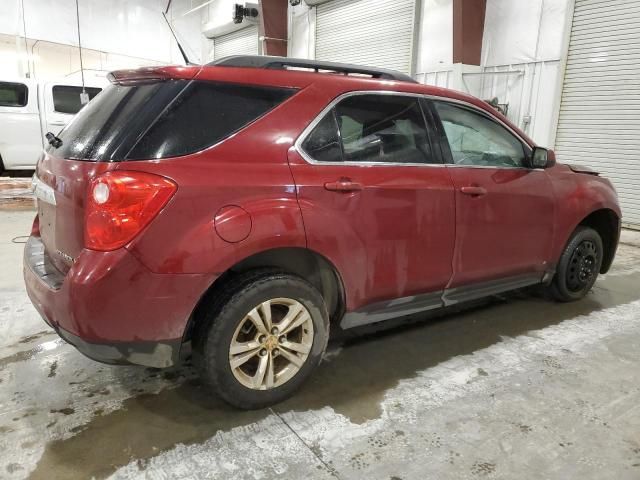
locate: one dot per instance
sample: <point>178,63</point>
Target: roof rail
<point>283,63</point>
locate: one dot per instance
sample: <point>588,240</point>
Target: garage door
<point>599,122</point>
<point>242,42</point>
<point>377,33</point>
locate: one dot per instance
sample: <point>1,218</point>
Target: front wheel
<point>578,267</point>
<point>263,340</point>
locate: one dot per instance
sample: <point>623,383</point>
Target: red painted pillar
<point>468,28</point>
<point>273,26</point>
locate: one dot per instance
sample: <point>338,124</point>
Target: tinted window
<point>13,94</point>
<point>162,119</point>
<point>323,143</point>
<point>475,139</point>
<point>204,114</point>
<point>383,128</point>
<point>108,127</point>
<point>66,99</point>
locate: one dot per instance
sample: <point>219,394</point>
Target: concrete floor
<point>517,387</point>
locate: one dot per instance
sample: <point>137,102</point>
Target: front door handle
<point>474,191</point>
<point>343,185</point>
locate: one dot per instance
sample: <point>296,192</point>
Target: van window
<point>66,98</point>
<point>13,94</point>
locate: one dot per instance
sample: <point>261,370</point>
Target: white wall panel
<point>302,32</point>
<point>599,116</point>
<point>131,28</point>
<point>519,31</point>
<point>435,45</point>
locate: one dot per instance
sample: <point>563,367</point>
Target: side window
<point>372,128</point>
<point>204,114</point>
<point>323,143</point>
<point>13,94</point>
<point>66,98</point>
<point>383,128</point>
<point>477,140</point>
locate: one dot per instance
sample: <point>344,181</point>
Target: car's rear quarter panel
<point>249,170</point>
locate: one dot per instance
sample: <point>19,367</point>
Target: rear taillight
<point>120,204</point>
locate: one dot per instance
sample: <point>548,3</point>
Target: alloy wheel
<point>271,344</point>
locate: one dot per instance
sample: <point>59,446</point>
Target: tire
<point>578,267</point>
<point>230,319</point>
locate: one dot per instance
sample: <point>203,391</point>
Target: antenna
<point>84,97</point>
<point>184,55</point>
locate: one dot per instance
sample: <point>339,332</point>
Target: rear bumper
<point>150,354</point>
<point>111,307</point>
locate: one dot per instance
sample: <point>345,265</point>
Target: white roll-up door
<point>241,42</point>
<point>376,33</point>
<point>599,123</point>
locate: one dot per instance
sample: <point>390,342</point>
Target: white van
<point>28,110</point>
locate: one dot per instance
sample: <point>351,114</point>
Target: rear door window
<point>372,128</point>
<point>66,98</point>
<point>323,143</point>
<point>13,94</point>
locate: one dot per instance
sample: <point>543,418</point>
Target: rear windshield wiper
<point>53,140</point>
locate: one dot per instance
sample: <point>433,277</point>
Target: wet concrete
<point>514,387</point>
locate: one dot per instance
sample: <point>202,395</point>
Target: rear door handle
<point>343,185</point>
<point>474,191</point>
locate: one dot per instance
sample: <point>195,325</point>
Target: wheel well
<point>607,224</point>
<point>302,262</point>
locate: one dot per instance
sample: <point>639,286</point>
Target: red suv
<point>246,205</point>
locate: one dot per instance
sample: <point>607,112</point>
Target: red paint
<point>233,223</point>
<point>389,231</point>
<point>508,230</point>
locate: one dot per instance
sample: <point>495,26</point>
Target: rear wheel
<point>262,338</point>
<point>578,267</point>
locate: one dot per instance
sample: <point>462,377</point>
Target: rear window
<point>163,119</point>
<point>13,94</point>
<point>66,98</point>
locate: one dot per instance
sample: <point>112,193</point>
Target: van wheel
<point>578,267</point>
<point>261,338</point>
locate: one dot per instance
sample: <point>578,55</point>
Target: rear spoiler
<point>138,76</point>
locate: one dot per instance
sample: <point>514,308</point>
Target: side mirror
<point>542,158</point>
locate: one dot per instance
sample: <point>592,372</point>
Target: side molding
<point>400,307</point>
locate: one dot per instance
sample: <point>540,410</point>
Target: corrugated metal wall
<point>377,33</point>
<point>242,42</point>
<point>599,123</point>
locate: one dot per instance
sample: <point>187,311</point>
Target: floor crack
<point>329,468</point>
